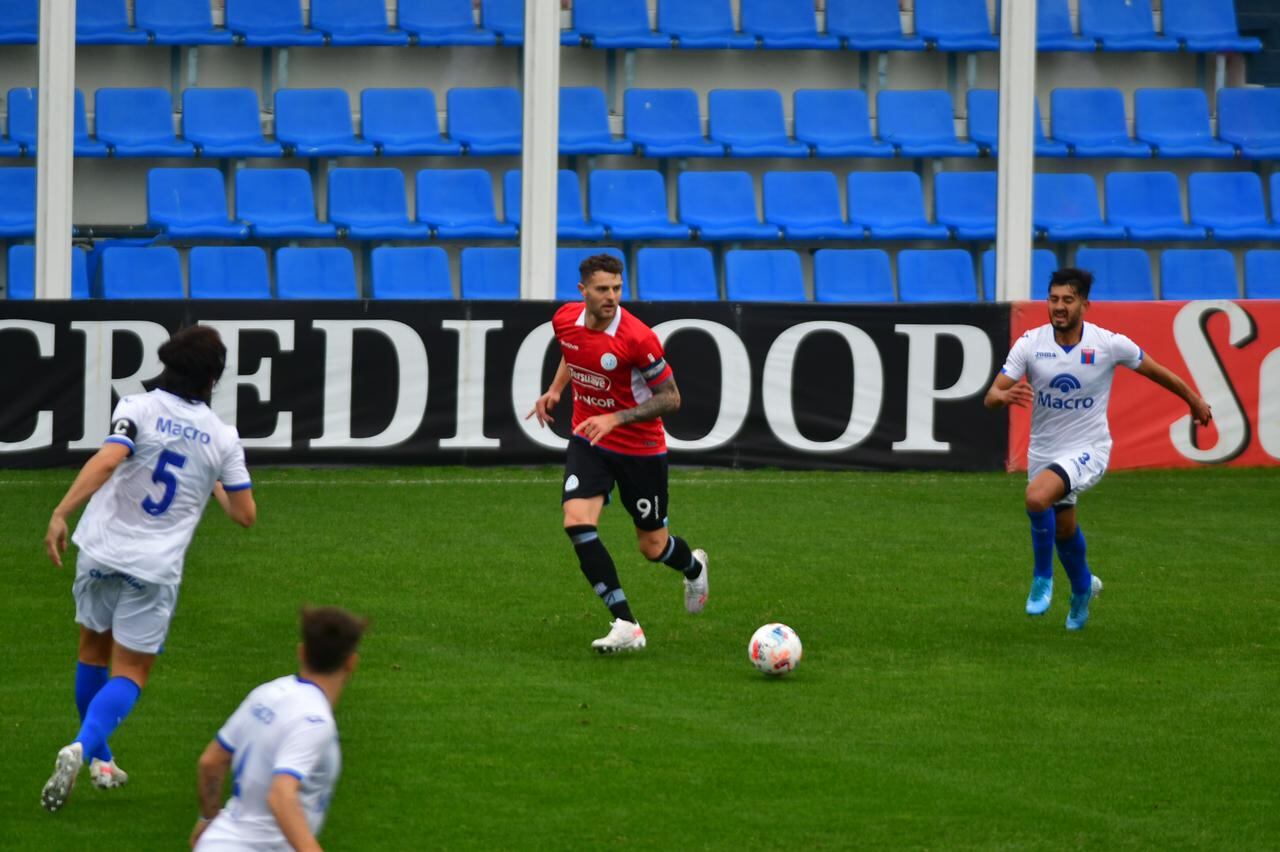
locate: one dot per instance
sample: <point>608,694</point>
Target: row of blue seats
<point>961,25</point>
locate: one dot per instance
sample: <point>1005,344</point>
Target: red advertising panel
<point>1229,352</point>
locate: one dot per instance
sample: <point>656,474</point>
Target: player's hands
<point>1020,395</point>
<point>55,540</point>
<point>542,408</point>
<point>595,428</point>
<point>1200,410</point>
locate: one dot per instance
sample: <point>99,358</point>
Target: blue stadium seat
<point>139,123</point>
<point>1207,26</point>
<point>1066,208</point>
<point>270,23</point>
<point>836,123</point>
<point>1122,26</point>
<point>632,204</point>
<point>571,222</point>
<point>351,22</point>
<point>23,105</point>
<point>404,123</point>
<point>806,205</point>
<point>102,22</point>
<point>315,273</point>
<point>191,203</point>
<point>317,123</point>
<point>722,206</point>
<point>920,124</point>
<point>1187,274</point>
<point>614,23</point>
<point>984,125</point>
<point>771,275</point>
<point>567,274</point>
<point>584,124</point>
<point>1119,275</point>
<point>1261,274</point>
<point>141,272</point>
<point>412,272</point>
<point>870,25</point>
<point>17,201</point>
<point>965,202</point>
<point>229,272</point>
<point>941,275</point>
<point>505,18</point>
<point>852,275</point>
<point>701,24</point>
<point>1043,265</point>
<point>1231,205</point>
<point>891,206</point>
<point>955,24</point>
<point>9,148</point>
<point>187,22</point>
<point>226,123</point>
<point>371,205</point>
<point>487,120</point>
<point>1248,119</point>
<point>784,25</point>
<point>676,274</point>
<point>750,123</point>
<point>1092,122</point>
<point>1053,28</point>
<point>1149,206</point>
<point>279,203</point>
<point>19,21</point>
<point>458,204</point>
<point>491,273</point>
<point>666,123</point>
<point>438,23</point>
<point>1176,123</point>
<point>22,273</point>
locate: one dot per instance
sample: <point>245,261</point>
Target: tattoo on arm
<point>665,400</point>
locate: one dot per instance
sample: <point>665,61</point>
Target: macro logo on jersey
<point>1065,384</point>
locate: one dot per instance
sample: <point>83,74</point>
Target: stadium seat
<point>317,123</point>
<point>1187,274</point>
<point>437,23</point>
<point>1119,275</point>
<point>806,205</point>
<point>505,18</point>
<point>891,206</point>
<point>1176,123</point>
<point>632,204</point>
<point>571,222</point>
<point>1066,208</point>
<point>19,21</point>
<point>771,275</point>
<point>315,273</point>
<point>784,25</point>
<point>101,22</point>
<point>141,272</point>
<point>229,272</point>
<point>722,206</point>
<point>984,125</point>
<point>1149,206</point>
<point>22,273</point>
<point>584,124</point>
<point>412,272</point>
<point>701,25</point>
<point>226,123</point>
<point>955,25</point>
<point>404,123</point>
<point>139,123</point>
<point>279,203</point>
<point>458,204</point>
<point>1053,28</point>
<point>491,273</point>
<point>370,204</point>
<point>270,23</point>
<point>614,23</point>
<point>23,105</point>
<point>1261,274</point>
<point>1248,119</point>
<point>750,123</point>
<point>487,120</point>
<point>1043,265</point>
<point>852,275</point>
<point>567,274</point>
<point>355,22</point>
<point>1206,25</point>
<point>17,201</point>
<point>666,123</point>
<point>1092,122</point>
<point>188,22</point>
<point>870,25</point>
<point>191,203</point>
<point>920,124</point>
<point>9,148</point>
<point>1122,26</point>
<point>676,274</point>
<point>965,202</point>
<point>836,123</point>
<point>941,275</point>
<point>1230,204</point>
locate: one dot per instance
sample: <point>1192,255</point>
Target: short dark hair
<point>1079,279</point>
<point>598,263</point>
<point>193,358</point>
<point>330,635</point>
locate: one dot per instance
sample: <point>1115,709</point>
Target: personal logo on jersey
<point>586,378</point>
<point>1087,356</point>
<point>609,361</point>
<point>1064,383</point>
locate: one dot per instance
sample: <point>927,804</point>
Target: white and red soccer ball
<point>775,649</point>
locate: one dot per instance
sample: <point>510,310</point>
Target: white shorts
<point>1084,468</point>
<point>136,612</point>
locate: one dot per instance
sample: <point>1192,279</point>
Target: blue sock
<point>90,679</point>
<point>1042,526</point>
<point>1071,551</point>
<point>105,713</point>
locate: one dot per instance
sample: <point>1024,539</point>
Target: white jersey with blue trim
<point>1072,387</point>
<point>142,520</point>
<point>285,726</point>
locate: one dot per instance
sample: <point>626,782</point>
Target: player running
<point>147,488</point>
<point>1068,365</point>
<point>283,743</point>
<point>622,386</point>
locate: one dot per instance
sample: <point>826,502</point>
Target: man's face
<point>1066,308</point>
<point>602,293</point>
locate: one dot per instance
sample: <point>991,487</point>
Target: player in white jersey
<point>1068,366</point>
<point>281,748</point>
<point>147,488</point>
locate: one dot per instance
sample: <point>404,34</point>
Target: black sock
<point>680,557</point>
<point>597,566</point>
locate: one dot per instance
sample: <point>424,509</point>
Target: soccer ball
<point>775,649</point>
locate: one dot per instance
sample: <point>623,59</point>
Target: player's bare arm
<point>1005,391</point>
<point>665,400</point>
<point>1163,376</point>
<point>239,505</point>
<point>550,399</point>
<point>284,804</point>
<point>95,473</point>
<point>211,771</point>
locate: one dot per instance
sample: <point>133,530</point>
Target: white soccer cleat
<point>105,775</point>
<point>695,591</point>
<point>1096,585</point>
<point>58,788</point>
<point>623,636</point>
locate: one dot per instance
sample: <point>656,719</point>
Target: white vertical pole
<point>541,149</point>
<point>55,148</point>
<point>1017,149</point>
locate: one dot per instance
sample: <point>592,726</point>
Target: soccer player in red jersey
<point>622,386</point>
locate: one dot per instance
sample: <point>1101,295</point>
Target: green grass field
<point>929,711</point>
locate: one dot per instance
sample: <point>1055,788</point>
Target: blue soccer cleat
<point>1078,615</point>
<point>1041,595</point>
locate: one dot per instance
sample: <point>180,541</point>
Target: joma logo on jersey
<point>589,379</point>
<point>1046,355</point>
<point>165,426</point>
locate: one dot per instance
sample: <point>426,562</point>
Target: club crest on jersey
<point>609,361</point>
<point>588,379</point>
<point>1087,356</point>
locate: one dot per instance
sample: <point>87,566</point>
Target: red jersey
<point>611,370</point>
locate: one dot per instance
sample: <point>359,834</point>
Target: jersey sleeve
<point>649,359</point>
<point>303,746</point>
<point>232,734</point>
<point>235,473</point>
<point>1015,366</point>
<point>126,421</point>
<point>1124,351</point>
